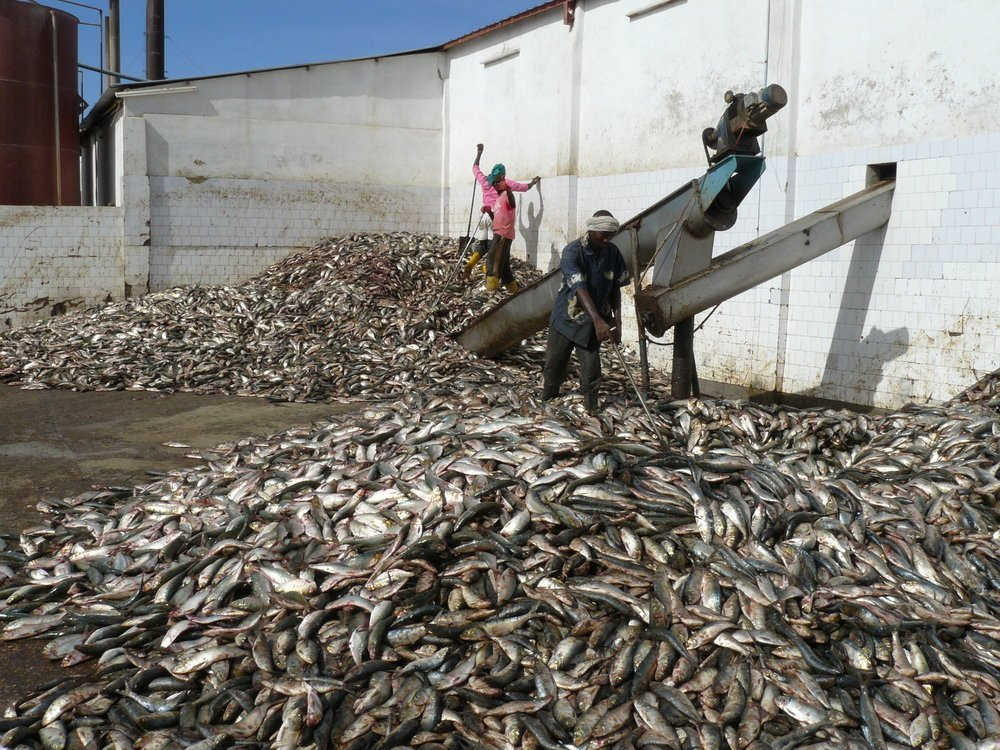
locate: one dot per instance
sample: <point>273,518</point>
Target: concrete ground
<point>62,443</point>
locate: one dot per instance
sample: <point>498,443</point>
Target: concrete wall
<point>898,316</point>
<point>56,259</point>
<point>242,170</point>
<point>515,93</point>
<point>226,175</point>
<point>902,314</point>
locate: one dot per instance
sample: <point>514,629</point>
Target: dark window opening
<point>880,173</point>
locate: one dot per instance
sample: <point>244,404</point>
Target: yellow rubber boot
<point>482,267</point>
<point>492,283</point>
<point>472,262</point>
<point>512,287</point>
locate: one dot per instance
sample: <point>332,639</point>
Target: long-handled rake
<point>461,260</point>
<point>628,374</point>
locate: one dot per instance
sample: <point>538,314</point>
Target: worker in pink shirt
<point>498,261</point>
<point>490,187</point>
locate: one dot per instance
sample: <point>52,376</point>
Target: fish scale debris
<point>468,567</point>
<point>347,318</point>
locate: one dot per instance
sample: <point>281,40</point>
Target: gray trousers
<point>557,354</point>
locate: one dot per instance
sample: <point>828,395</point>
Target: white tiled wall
<point>224,230</point>
<point>903,314</point>
<point>55,259</point>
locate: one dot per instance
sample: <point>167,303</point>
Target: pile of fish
<point>984,392</point>
<point>467,567</point>
<point>360,316</point>
<point>487,571</point>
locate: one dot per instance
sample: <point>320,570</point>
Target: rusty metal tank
<point>39,106</point>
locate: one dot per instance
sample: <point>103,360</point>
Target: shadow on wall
<point>854,363</point>
<point>555,257</point>
<point>530,230</point>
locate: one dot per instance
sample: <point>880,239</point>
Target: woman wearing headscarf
<point>497,178</point>
<point>588,302</point>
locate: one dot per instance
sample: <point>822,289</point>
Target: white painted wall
<point>896,316</point>
<point>245,169</point>
<point>56,259</point>
<point>514,93</point>
<point>902,315</point>
<point>227,230</point>
<point>651,82</point>
<point>897,71</point>
<point>219,182</point>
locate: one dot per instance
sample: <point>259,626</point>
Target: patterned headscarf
<point>498,171</point>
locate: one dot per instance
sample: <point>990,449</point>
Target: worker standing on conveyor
<point>589,300</point>
<point>489,184</point>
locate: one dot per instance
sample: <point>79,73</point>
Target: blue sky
<point>217,36</point>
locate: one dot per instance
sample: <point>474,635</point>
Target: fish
<point>347,318</point>
<point>463,565</point>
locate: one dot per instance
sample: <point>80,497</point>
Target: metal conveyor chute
<point>726,276</point>
<point>767,257</point>
<point>513,320</point>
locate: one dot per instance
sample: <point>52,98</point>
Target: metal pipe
<point>682,372</point>
<point>106,57</point>
<point>643,359</point>
<point>643,354</point>
<point>100,24</point>
<point>55,100</point>
<point>695,385</point>
<point>108,72</point>
<point>154,40</point>
<point>114,39</point>
<point>87,174</point>
<point>81,5</point>
<point>154,91</point>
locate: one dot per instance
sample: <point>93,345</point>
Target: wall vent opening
<point>880,172</point>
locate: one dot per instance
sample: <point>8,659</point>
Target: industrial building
<point>277,468</point>
<point>209,180</point>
